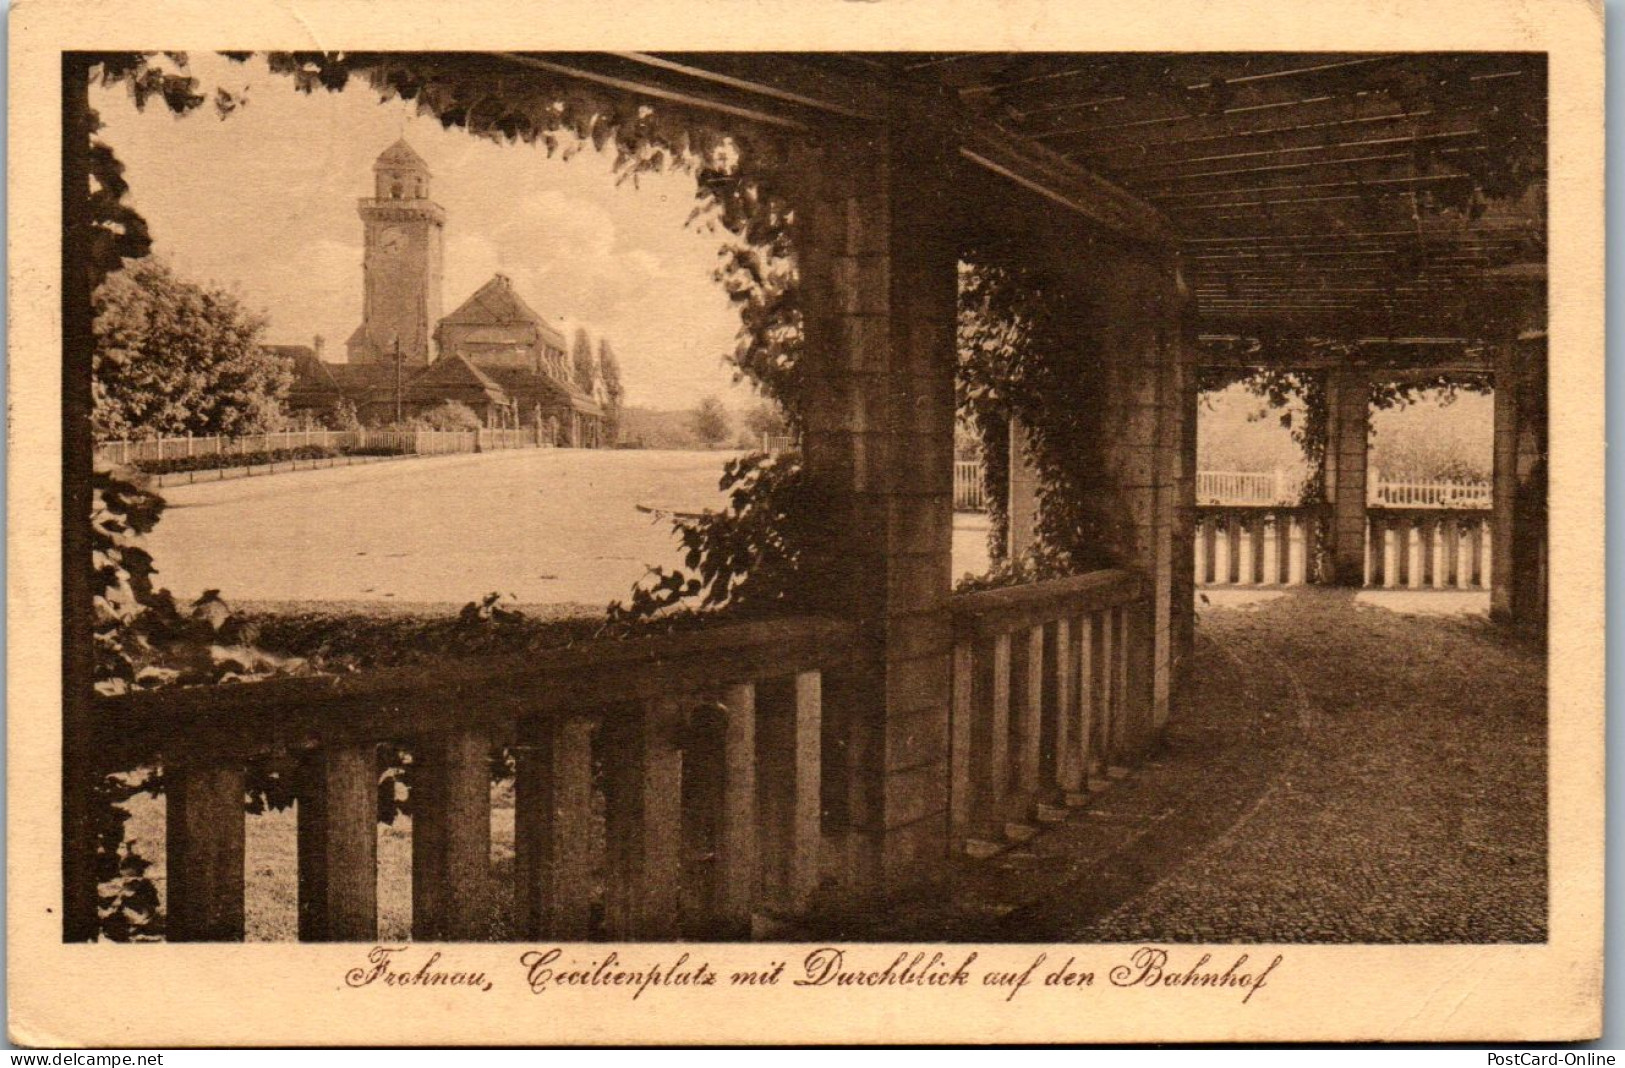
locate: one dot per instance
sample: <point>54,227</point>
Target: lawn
<point>549,526</point>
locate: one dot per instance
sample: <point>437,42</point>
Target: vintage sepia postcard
<point>830,522</point>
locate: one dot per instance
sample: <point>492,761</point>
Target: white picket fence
<point>514,438</point>
<point>1246,487</point>
<point>416,442</point>
<point>1277,488</point>
<point>1441,494</point>
<point>968,486</point>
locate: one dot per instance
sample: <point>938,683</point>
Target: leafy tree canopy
<point>765,418</point>
<point>609,372</point>
<point>173,357</point>
<point>449,415</point>
<point>583,366</point>
<point>710,420</point>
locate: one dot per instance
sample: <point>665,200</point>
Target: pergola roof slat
<point>1392,193</point>
<point>1284,158</point>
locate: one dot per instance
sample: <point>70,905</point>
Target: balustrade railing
<point>1428,548</point>
<point>1246,546</point>
<point>1048,699</point>
<point>1420,548</point>
<point>666,786</point>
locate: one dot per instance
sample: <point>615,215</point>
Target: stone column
<point>1518,531</point>
<point>1023,496</point>
<point>877,256</point>
<point>1178,487</point>
<point>1140,397</point>
<point>1348,433</point>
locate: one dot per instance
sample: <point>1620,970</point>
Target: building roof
<point>454,378</point>
<point>496,304</point>
<point>317,382</point>
<point>527,387</point>
<point>355,377</point>
<point>291,352</point>
<point>398,155</point>
<point>450,378</point>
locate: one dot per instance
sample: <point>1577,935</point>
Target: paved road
<point>550,526</point>
<point>547,525</point>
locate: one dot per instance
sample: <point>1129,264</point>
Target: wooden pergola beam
<point>1396,163</point>
<point>1194,80</point>
<point>1309,123</point>
<point>587,69</point>
<point>1250,106</point>
<point>1281,192</point>
<point>1429,361</point>
<point>1278,157</point>
<point>1425,230</point>
<point>794,82</point>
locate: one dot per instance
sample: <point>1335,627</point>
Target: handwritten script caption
<point>576,968</point>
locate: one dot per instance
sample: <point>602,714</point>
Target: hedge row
<point>213,460</point>
<point>379,450</point>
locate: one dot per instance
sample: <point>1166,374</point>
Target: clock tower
<point>401,265</point>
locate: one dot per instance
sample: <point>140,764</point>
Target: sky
<point>264,203</point>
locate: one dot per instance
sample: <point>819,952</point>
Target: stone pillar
<point>1348,433</point>
<point>1518,529</point>
<point>877,255</point>
<point>1178,510</point>
<point>1023,496</point>
<point>1142,441</point>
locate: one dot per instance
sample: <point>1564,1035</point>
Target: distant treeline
<point>679,428</point>
<point>1237,431</point>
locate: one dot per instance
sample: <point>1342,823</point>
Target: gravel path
<point>1356,766</point>
<point>1397,774</point>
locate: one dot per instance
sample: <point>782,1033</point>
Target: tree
<point>765,420</point>
<point>449,415</point>
<point>609,373</point>
<point>341,416</point>
<point>584,367</point>
<point>710,420</point>
<point>174,357</point>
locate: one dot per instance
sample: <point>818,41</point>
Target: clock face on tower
<point>392,240</point>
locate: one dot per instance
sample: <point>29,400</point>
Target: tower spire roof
<point>400,154</point>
